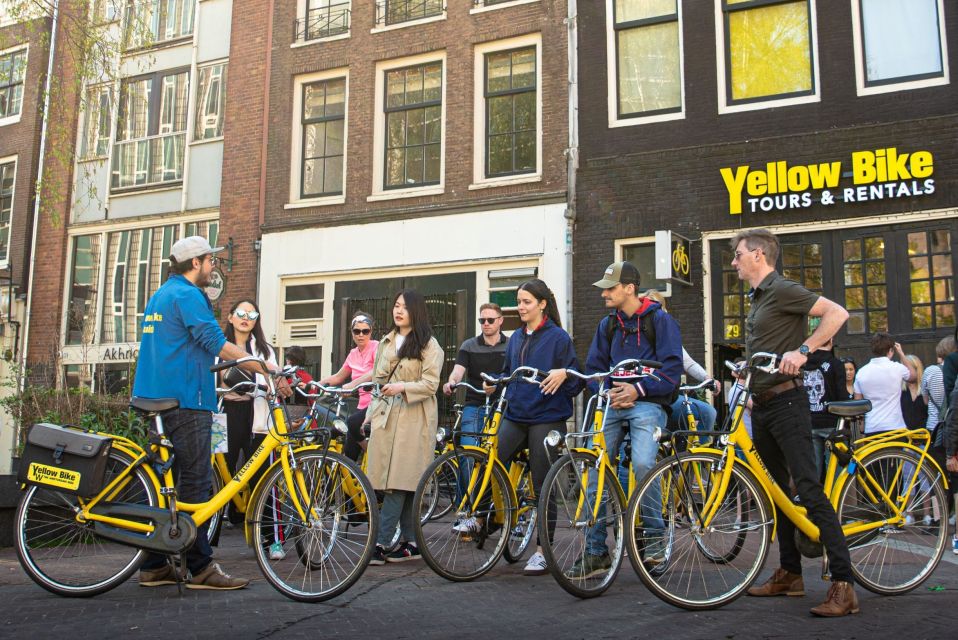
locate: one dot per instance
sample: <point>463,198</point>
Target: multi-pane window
<point>503,289</point>
<point>643,257</point>
<point>210,102</point>
<point>97,120</point>
<point>81,310</point>
<point>768,49</point>
<point>803,264</point>
<point>511,121</point>
<point>648,57</point>
<point>735,300</point>
<point>323,121</point>
<point>105,10</point>
<point>413,106</point>
<point>13,70</point>
<point>8,172</point>
<point>151,130</point>
<point>395,11</point>
<point>324,18</point>
<point>304,301</point>
<point>931,279</point>
<point>900,40</point>
<point>866,291</point>
<point>150,22</point>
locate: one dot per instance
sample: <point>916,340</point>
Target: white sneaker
<point>926,521</point>
<point>536,566</point>
<point>276,551</point>
<point>951,520</point>
<point>909,520</point>
<point>954,545</point>
<point>468,525</point>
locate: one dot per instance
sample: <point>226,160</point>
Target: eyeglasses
<point>487,320</point>
<point>246,315</point>
<point>213,259</point>
<point>362,332</point>
<point>739,254</point>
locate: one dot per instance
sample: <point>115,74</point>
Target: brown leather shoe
<point>213,577</point>
<point>840,601</point>
<point>782,583</point>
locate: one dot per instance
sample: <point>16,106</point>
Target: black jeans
<point>514,436</point>
<point>190,431</point>
<point>782,432</point>
<point>355,435</point>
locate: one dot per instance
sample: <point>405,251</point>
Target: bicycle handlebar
<point>529,374</point>
<point>466,385</point>
<point>705,384</point>
<point>644,367</point>
<point>771,359</point>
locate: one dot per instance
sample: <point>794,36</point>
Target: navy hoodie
<point>548,347</point>
<point>625,345</point>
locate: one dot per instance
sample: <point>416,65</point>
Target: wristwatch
<point>804,350</point>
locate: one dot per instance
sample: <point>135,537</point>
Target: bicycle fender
<point>868,450</point>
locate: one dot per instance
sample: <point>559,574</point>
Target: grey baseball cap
<point>619,273</point>
<point>192,247</point>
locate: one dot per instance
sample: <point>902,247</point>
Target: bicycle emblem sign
<point>673,257</point>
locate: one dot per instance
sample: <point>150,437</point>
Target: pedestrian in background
<point>824,378</point>
<point>851,368</point>
<point>914,409</point>
<point>880,382</point>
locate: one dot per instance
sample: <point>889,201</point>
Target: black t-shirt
<point>478,357</point>
<point>824,382</point>
<point>915,412</point>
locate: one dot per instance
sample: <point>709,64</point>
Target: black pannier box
<point>64,458</point>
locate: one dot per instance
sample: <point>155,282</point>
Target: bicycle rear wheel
<point>65,556</point>
<point>686,562</point>
<point>895,558</point>
<point>570,539</point>
<point>471,535</point>
<point>526,517</point>
<point>319,556</point>
<point>439,495</point>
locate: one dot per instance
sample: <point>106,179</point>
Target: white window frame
<point>301,15</point>
<point>906,84</point>
<point>5,262</point>
<point>612,77</point>
<point>197,99</point>
<point>620,245</point>
<point>479,179</point>
<point>771,102</point>
<point>296,148</point>
<point>26,66</point>
<point>503,5</point>
<point>410,23</point>
<point>84,153</point>
<point>379,130</point>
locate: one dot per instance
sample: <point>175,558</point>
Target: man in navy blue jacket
<point>180,341</point>
<point>639,407</point>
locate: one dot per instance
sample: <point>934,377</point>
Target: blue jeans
<point>473,421</point>
<point>190,431</point>
<point>397,507</point>
<point>703,411</point>
<point>640,420</point>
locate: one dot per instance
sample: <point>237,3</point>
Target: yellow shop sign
<point>53,476</point>
<point>875,175</point>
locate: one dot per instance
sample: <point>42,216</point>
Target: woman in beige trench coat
<point>403,422</point>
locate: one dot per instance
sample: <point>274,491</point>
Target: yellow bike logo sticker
<point>680,260</point>
<point>54,476</point>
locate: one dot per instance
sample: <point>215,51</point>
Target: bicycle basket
<point>65,459</point>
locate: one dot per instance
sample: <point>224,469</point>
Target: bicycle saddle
<point>154,405</point>
<point>849,408</point>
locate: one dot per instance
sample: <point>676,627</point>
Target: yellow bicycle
<point>313,499</point>
<point>715,519</point>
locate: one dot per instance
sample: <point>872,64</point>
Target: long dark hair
<point>261,345</point>
<point>421,330</point>
<point>540,291</point>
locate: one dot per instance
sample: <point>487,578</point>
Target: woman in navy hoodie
<point>534,410</point>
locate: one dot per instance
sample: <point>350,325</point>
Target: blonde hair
<point>919,368</point>
<point>656,295</point>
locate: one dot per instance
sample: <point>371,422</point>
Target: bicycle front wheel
<point>64,555</point>
<point>314,536</point>
<point>581,529</point>
<point>894,558</point>
<point>692,545</point>
<point>470,536</point>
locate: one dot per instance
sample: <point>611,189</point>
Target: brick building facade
<point>885,246</point>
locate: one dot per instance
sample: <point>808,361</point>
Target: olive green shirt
<point>777,322</point>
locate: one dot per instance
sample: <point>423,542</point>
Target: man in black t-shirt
<point>824,378</point>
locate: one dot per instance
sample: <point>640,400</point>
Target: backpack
<point>647,330</point>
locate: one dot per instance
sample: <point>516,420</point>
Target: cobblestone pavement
<point>409,601</point>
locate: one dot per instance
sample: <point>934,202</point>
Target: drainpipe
<point>191,107</point>
<point>264,145</point>
<point>572,158</point>
<point>36,199</point>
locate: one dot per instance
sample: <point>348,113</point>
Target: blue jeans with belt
<point>190,431</point>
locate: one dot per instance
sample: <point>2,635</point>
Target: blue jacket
<point>180,341</point>
<point>603,353</point>
<point>549,347</point>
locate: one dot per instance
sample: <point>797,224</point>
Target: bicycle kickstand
<point>826,570</point>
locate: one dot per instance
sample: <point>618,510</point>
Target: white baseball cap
<point>192,247</point>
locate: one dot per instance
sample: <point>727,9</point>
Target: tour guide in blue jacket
<point>179,344</point>
<point>639,407</point>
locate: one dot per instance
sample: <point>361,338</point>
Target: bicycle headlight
<point>553,438</point>
<point>340,426</point>
<point>441,434</point>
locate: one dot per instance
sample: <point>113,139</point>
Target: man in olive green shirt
<point>781,418</point>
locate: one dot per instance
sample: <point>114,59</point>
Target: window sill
<point>156,46</point>
<point>139,191</point>
<point>207,140</point>
<point>640,120</point>
<point>505,182</point>
<point>410,23</point>
<point>315,202</point>
<point>407,193</point>
<point>10,119</point>
<point>92,159</point>
<point>770,103</point>
<point>305,43</point>
<point>504,5</point>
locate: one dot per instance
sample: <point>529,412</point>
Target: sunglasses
<point>362,332</point>
<point>246,315</point>
<point>487,320</point>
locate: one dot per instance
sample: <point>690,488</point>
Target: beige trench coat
<point>403,438</point>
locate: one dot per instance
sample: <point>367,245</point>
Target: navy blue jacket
<point>667,350</point>
<point>549,347</point>
<point>180,342</point>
